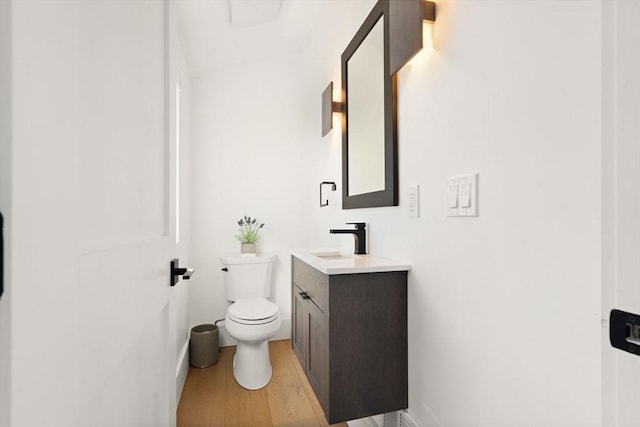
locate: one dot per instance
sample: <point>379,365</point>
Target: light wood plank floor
<point>212,398</point>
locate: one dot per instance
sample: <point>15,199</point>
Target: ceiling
<point>261,29</point>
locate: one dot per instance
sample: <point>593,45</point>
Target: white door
<point>5,173</point>
<point>90,216</point>
<point>621,204</point>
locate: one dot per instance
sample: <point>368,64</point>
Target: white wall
<point>257,151</point>
<point>248,159</point>
<point>517,100</point>
<point>504,309</point>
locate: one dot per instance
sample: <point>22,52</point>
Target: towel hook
<point>333,188</point>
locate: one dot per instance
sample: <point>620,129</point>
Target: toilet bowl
<point>251,319</point>
<point>252,322</point>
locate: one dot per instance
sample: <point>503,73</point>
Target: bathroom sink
<point>333,255</point>
<point>337,261</point>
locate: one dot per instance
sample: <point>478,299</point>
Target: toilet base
<point>251,365</point>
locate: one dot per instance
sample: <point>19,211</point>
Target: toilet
<point>251,319</point>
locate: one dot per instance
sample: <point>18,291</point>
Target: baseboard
<point>428,417</point>
<point>374,421</point>
<point>225,339</point>
<point>405,419</point>
<point>391,419</point>
<point>182,368</point>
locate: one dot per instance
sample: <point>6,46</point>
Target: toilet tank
<point>248,277</point>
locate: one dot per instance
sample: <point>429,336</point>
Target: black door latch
<point>624,331</point>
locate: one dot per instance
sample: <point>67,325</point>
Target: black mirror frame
<point>388,196</point>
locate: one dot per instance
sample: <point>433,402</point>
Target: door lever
<point>176,272</point>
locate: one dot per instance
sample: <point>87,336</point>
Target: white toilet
<point>251,319</point>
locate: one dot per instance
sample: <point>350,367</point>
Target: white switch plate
<point>465,188</point>
<point>414,201</point>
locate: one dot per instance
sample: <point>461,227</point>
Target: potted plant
<point>248,235</point>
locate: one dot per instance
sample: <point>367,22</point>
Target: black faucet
<point>360,235</point>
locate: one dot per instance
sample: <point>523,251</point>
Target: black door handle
<point>176,272</point>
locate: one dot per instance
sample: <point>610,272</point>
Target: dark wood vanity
<point>349,332</point>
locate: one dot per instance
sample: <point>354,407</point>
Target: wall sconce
<point>329,106</point>
<point>428,11</point>
<point>405,29</point>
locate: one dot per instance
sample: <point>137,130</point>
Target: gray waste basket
<point>203,346</point>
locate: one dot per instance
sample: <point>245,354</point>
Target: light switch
<point>462,195</point>
<point>465,195</point>
<point>453,195</point>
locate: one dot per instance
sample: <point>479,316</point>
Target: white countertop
<point>335,261</point>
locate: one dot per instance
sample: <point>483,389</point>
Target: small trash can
<point>203,346</point>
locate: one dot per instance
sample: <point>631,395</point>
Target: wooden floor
<point>211,396</point>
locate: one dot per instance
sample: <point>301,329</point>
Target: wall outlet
<point>414,201</point>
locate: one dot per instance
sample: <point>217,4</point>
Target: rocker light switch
<point>462,195</point>
<point>453,196</point>
<point>465,195</point>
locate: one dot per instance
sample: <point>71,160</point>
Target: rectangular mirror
<point>369,146</point>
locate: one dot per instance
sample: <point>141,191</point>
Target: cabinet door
<point>317,361</point>
<point>299,318</point>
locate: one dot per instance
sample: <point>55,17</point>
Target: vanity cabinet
<point>349,332</point>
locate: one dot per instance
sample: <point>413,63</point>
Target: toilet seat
<point>253,311</point>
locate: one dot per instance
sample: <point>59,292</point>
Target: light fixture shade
<point>327,109</point>
<point>405,29</point>
<point>329,106</point>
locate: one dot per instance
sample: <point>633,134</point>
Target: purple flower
<point>249,229</point>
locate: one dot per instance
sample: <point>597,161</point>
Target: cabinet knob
<point>304,295</point>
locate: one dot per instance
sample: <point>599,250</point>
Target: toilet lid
<point>253,311</point>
